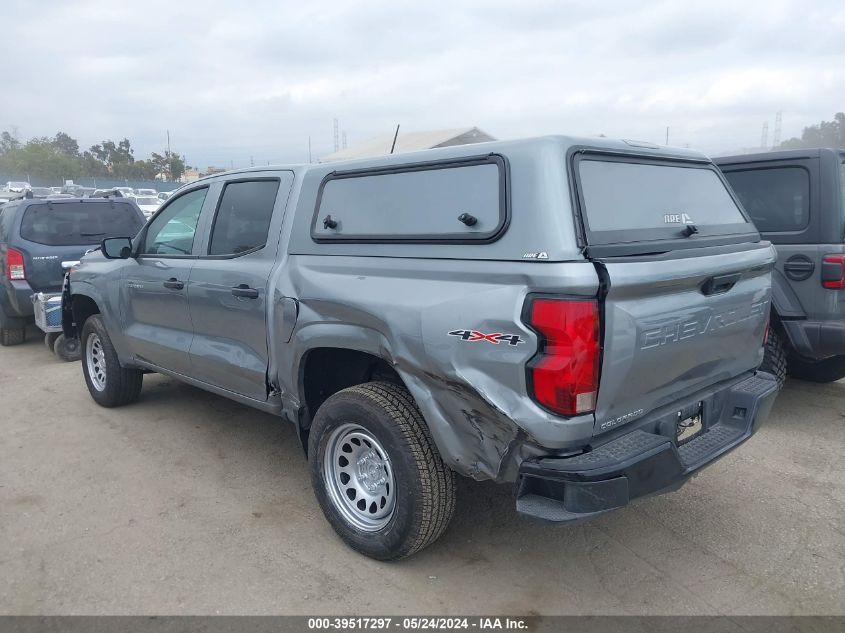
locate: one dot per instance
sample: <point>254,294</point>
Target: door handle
<point>720,284</point>
<point>245,291</point>
<point>174,284</point>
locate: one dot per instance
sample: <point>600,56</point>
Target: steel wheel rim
<point>95,358</point>
<point>359,477</point>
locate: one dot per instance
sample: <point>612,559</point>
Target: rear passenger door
<point>782,197</point>
<point>228,290</point>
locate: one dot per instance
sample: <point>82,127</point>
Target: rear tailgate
<point>673,327</point>
<point>687,280</point>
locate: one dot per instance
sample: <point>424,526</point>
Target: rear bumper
<point>639,463</point>
<point>15,303</point>
<point>816,339</point>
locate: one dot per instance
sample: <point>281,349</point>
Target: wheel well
<point>327,370</point>
<point>82,308</point>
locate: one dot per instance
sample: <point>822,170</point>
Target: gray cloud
<point>232,81</point>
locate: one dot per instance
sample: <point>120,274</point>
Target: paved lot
<point>188,503</point>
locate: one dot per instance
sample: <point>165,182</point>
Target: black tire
<point>50,340</point>
<point>774,357</point>
<point>424,490</point>
<point>122,385</point>
<point>12,336</point>
<point>68,349</point>
<point>827,370</point>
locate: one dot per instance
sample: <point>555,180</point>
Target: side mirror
<point>117,247</point>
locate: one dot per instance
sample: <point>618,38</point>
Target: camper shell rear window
<point>420,202</point>
<point>640,204</point>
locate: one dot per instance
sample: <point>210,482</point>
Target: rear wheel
<point>827,370</point>
<point>376,472</point>
<point>109,384</point>
<point>12,336</point>
<point>774,357</point>
<point>68,349</point>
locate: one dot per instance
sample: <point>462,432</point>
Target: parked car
<point>17,186</point>
<point>126,191</point>
<point>164,195</point>
<point>148,204</point>
<point>582,318</point>
<point>56,189</point>
<point>36,236</point>
<point>797,200</point>
<point>41,192</point>
<point>146,192</point>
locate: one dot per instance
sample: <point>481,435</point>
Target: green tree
<point>169,164</point>
<point>824,134</point>
<point>8,143</point>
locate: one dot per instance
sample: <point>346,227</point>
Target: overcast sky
<point>232,80</point>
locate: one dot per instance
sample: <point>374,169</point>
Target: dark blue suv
<point>37,236</point>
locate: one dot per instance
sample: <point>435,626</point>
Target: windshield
<point>625,201</point>
<point>78,223</point>
<point>154,201</point>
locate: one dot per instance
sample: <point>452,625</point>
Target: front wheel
<point>376,472</point>
<point>109,384</point>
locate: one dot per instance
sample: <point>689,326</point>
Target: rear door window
<point>415,202</point>
<point>243,217</point>
<point>777,198</point>
<point>79,223</point>
<point>625,200</point>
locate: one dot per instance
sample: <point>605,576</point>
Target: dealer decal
<point>474,336</point>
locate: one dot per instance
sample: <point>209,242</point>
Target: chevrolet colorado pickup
<point>580,318</point>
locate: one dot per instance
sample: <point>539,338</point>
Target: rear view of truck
<point>666,355</point>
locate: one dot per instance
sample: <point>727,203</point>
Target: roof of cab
<point>566,143</point>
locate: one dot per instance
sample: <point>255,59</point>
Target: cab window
<point>172,231</point>
<point>243,217</point>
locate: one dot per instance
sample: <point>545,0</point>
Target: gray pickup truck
<point>796,198</point>
<point>580,318</point>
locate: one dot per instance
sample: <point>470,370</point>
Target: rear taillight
<point>833,272</point>
<point>14,265</point>
<point>564,376</point>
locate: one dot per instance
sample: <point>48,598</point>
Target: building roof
<point>411,142</point>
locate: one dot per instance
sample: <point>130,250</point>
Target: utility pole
<point>309,149</point>
<point>764,135</point>
<point>169,159</point>
<point>343,141</point>
<point>776,137</point>
<point>336,143</point>
<point>667,135</point>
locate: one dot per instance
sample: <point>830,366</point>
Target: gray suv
<point>797,200</point>
<point>580,318</point>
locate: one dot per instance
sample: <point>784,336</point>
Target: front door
<point>228,290</point>
<point>155,285</point>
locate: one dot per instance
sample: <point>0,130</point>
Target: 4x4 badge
<point>474,336</point>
